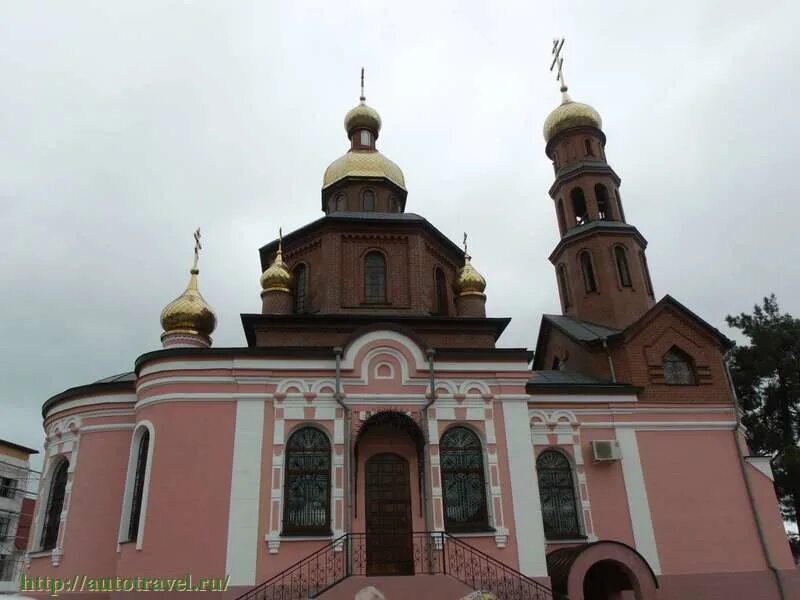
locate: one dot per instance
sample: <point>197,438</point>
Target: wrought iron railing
<point>376,554</point>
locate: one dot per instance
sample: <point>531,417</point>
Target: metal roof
<point>550,377</point>
<point>582,331</point>
<point>129,376</point>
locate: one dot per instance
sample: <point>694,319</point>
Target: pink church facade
<point>372,427</point>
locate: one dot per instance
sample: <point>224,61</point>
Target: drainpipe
<point>426,484</point>
<point>610,362</point>
<point>742,463</point>
<point>337,395</point>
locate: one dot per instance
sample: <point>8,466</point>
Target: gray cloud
<point>123,126</point>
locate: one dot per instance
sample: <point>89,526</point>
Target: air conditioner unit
<point>606,450</point>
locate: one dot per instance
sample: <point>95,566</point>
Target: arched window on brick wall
<point>301,288</point>
<point>463,482</point>
<point>563,283</point>
<point>603,205</point>
<point>307,483</point>
<point>368,198</point>
<point>579,206</point>
<point>647,281</point>
<point>589,281</point>
<point>557,495</point>
<point>621,258</point>
<point>375,278</point>
<point>440,291</point>
<point>678,368</point>
<point>562,219</point>
<point>55,504</point>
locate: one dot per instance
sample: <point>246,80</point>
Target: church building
<point>373,430</point>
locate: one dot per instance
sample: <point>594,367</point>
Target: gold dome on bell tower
<point>277,277</point>
<point>469,281</point>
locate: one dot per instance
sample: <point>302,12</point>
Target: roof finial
<point>466,254</point>
<point>280,241</point>
<point>197,248</point>
<point>363,98</point>
<point>558,60</point>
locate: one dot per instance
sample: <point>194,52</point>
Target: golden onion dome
<point>277,277</point>
<point>363,163</point>
<point>570,114</point>
<point>469,281</point>
<point>362,116</point>
<point>189,312</point>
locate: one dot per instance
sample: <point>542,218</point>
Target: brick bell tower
<point>600,259</point>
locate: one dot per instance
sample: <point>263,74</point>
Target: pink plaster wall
<point>611,517</point>
<point>186,523</point>
<point>698,502</point>
<point>771,522</point>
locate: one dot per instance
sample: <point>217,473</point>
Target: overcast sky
<point>126,125</point>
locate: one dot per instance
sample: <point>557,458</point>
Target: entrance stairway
<point>424,565</point>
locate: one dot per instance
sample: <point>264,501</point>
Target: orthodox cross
<point>197,248</point>
<point>558,61</point>
<point>280,240</point>
<point>363,97</point>
<point>465,244</point>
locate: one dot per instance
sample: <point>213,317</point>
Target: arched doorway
<point>603,570</point>
<point>607,580</point>
<point>389,497</point>
<point>387,508</point>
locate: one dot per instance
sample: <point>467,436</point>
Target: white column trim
<point>638,505</point>
<point>528,526</point>
<point>243,540</point>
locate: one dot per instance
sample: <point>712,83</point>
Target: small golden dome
<point>360,163</point>
<point>469,281</point>
<point>570,114</point>
<point>277,277</point>
<point>362,116</point>
<point>189,312</point>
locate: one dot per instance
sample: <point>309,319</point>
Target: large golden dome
<point>189,312</point>
<point>277,277</point>
<point>570,114</point>
<point>363,163</point>
<point>469,281</point>
<point>362,116</point>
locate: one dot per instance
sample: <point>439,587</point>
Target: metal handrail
<point>428,552</point>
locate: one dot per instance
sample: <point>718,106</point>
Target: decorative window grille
<point>621,257</point>
<point>463,482</point>
<point>375,277</point>
<point>589,282</point>
<point>678,368</point>
<point>307,483</point>
<point>300,289</point>
<point>8,487</point>
<point>55,504</point>
<point>138,485</point>
<point>557,494</point>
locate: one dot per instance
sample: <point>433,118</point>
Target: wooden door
<point>388,516</point>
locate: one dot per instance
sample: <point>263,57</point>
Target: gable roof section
<point>571,382</point>
<point>587,333</point>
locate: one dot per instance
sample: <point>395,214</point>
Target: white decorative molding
<point>130,478</point>
<point>525,493</point>
<point>638,504</point>
<point>763,464</point>
<point>242,551</point>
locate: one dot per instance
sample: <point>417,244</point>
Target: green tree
<point>766,375</point>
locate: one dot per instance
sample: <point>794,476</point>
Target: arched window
<point>589,282</point>
<point>440,287</point>
<point>587,144</point>
<point>557,494</point>
<point>562,220</point>
<point>369,200</point>
<point>463,483</point>
<point>579,206</point>
<point>375,277</point>
<point>55,504</point>
<point>621,257</point>
<point>300,288</point>
<point>366,138</point>
<point>394,204</point>
<point>646,270</point>
<point>138,485</point>
<point>307,483</point>
<point>603,206</point>
<point>562,283</point>
<point>678,368</point>
<point>337,203</point>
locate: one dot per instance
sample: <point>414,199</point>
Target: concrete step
<point>418,587</point>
